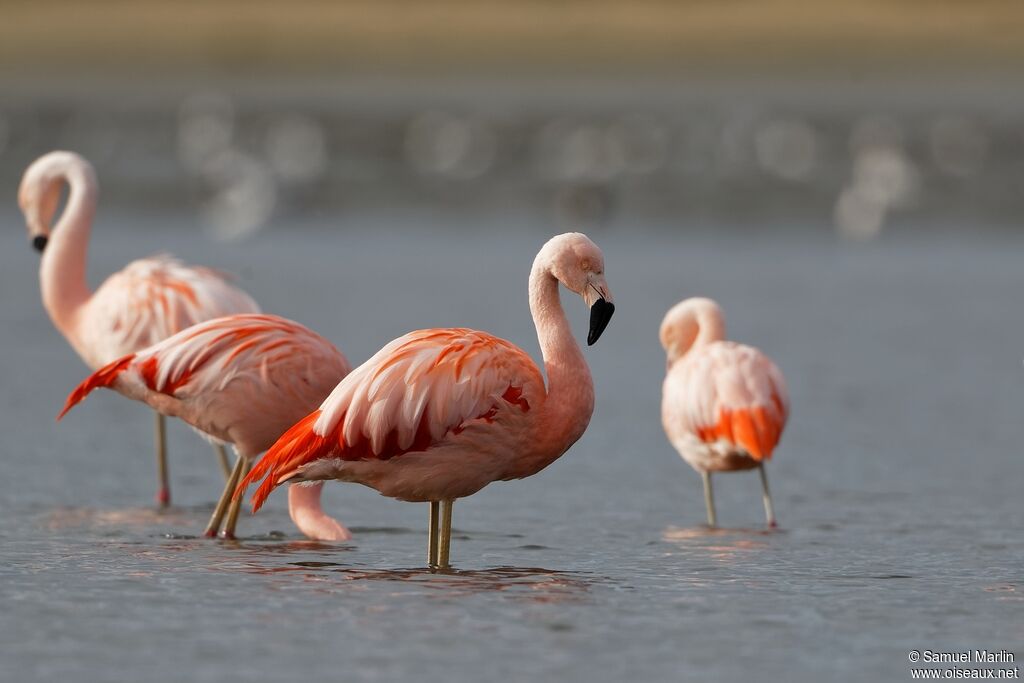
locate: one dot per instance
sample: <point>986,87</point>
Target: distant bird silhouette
<point>145,303</point>
<point>724,405</point>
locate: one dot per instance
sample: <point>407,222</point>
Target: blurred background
<point>767,115</point>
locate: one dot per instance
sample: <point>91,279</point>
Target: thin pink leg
<point>163,492</point>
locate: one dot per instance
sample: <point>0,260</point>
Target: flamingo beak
<point>39,243</point>
<point>600,313</point>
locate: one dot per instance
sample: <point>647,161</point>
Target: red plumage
<point>104,377</point>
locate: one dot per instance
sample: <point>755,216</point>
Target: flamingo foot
<point>163,497</point>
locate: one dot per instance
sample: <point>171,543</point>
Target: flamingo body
<point>435,415</point>
<point>240,379</point>
<point>724,405</point>
<point>146,302</point>
<point>438,414</point>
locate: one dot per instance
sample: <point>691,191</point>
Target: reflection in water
<point>1005,591</point>
<point>290,563</point>
<point>67,518</point>
<point>674,533</point>
<point>725,547</point>
<point>531,584</point>
<point>314,562</point>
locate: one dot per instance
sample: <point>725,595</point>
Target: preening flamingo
<point>145,303</point>
<point>243,380</point>
<point>438,414</point>
<point>724,405</point>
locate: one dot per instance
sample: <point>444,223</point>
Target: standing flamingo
<point>724,405</point>
<point>438,414</point>
<point>146,302</point>
<point>241,379</point>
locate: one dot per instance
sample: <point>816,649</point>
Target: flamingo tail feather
<point>104,377</point>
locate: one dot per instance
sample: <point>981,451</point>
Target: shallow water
<point>897,484</point>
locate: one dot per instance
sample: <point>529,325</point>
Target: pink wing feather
<point>205,358</point>
<point>153,298</point>
<point>730,392</point>
<point>412,394</point>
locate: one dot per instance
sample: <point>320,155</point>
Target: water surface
<point>897,484</point>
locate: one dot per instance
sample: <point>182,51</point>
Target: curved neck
<point>696,328</point>
<point>63,267</point>
<point>570,398</point>
<point>710,327</point>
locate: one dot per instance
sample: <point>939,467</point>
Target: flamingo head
<point>687,319</point>
<point>575,261</point>
<point>39,195</point>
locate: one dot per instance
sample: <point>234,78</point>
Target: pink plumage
<point>144,303</point>
<point>426,390</point>
<point>438,414</point>
<point>151,299</point>
<point>241,379</point>
<point>724,404</point>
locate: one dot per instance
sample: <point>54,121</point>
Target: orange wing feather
<point>420,382</point>
<point>103,377</point>
<point>751,415</point>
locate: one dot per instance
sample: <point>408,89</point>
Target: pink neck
<point>697,327</point>
<point>570,398</point>
<point>710,327</point>
<point>63,267</point>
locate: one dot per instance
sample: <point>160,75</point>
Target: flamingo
<point>146,302</point>
<point>724,405</point>
<point>240,379</point>
<point>438,414</point>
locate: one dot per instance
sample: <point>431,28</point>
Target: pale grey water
<point>897,484</point>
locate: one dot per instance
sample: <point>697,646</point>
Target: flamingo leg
<point>222,458</point>
<point>228,531</point>
<point>445,537</point>
<point>225,499</point>
<point>432,545</point>
<point>769,510</point>
<point>709,499</point>
<point>163,492</point>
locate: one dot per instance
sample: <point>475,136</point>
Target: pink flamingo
<point>243,380</point>
<point>148,301</point>
<point>724,405</point>
<point>438,414</point>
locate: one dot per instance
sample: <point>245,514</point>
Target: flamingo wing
<point>205,358</point>
<point>415,392</point>
<point>151,299</point>
<point>733,393</point>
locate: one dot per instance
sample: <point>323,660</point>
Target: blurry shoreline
<point>569,37</point>
<point>668,154</point>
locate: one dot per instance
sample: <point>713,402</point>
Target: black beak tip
<point>39,243</point>
<point>600,314</point>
